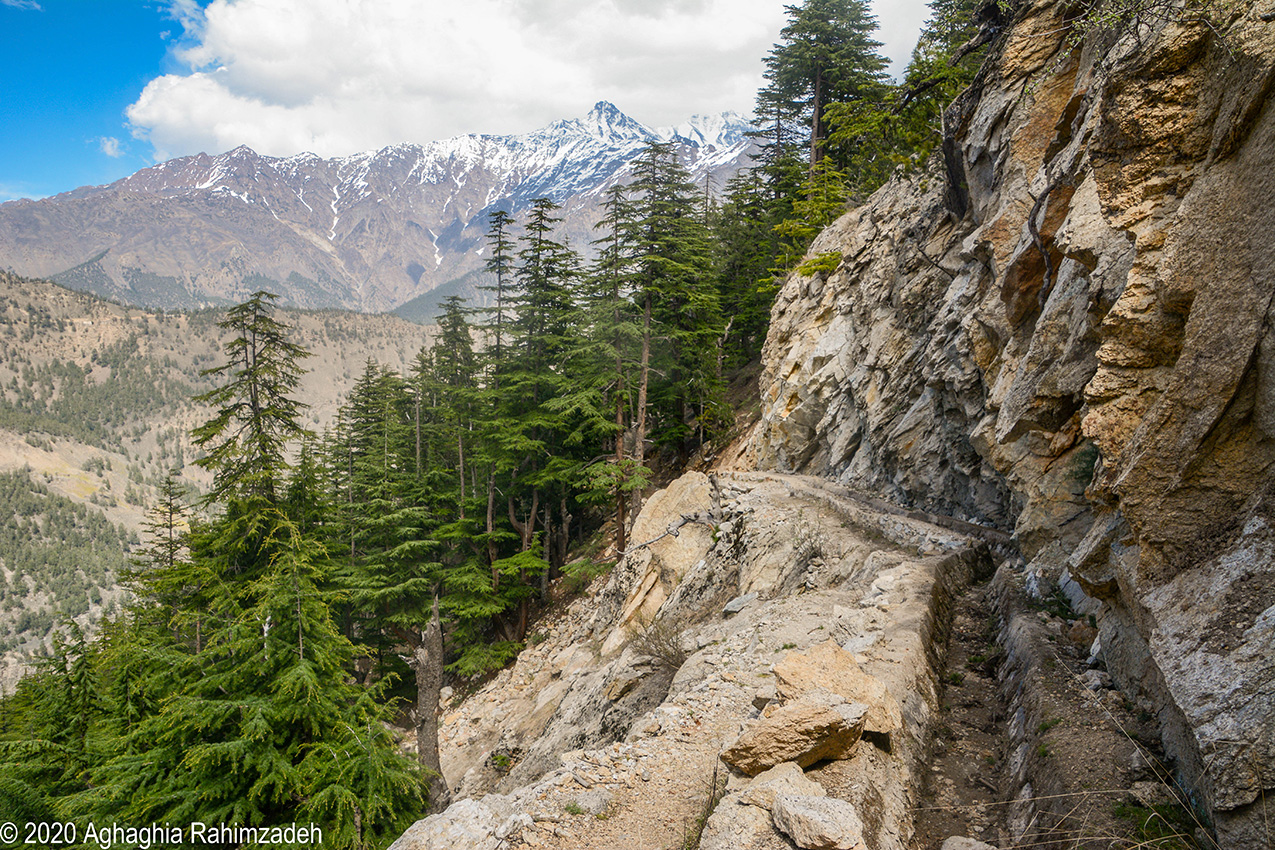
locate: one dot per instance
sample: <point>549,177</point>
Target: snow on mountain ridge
<point>604,130</point>
<point>368,231</point>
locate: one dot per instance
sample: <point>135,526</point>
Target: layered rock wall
<point>1080,354</point>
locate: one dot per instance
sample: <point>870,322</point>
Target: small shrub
<point>1055,604</point>
<point>480,659</point>
<point>578,575</point>
<point>1121,16</point>
<point>1169,827</point>
<point>659,640</point>
<point>809,542</point>
<point>823,263</point>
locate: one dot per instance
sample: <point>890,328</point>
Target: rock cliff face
<point>1074,343</point>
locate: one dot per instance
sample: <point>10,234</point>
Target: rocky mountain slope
<point>784,609</point>
<point>1053,350</point>
<point>1074,344</point>
<point>367,232</point>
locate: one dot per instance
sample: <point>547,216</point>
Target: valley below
<point>96,410</point>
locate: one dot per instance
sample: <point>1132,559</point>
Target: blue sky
<point>68,70</point>
<point>93,90</point>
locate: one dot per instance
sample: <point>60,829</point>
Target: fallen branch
<point>672,530</point>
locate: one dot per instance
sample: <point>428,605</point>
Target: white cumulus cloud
<point>339,76</point>
<point>110,146</point>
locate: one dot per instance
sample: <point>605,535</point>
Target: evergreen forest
<point>284,624</point>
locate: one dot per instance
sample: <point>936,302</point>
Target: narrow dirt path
<point>962,789</point>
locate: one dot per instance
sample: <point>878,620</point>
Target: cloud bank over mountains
<point>338,76</point>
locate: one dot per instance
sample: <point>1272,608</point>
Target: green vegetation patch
<point>58,558</point>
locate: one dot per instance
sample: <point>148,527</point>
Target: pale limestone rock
<point>764,696</point>
<point>622,685</point>
<point>662,564</point>
<point>814,727</point>
<point>960,842</point>
<point>818,823</point>
<point>830,668</point>
<point>594,802</point>
<point>735,825</point>
<point>786,778</point>
<point>1151,794</point>
<point>466,825</point>
<point>1081,351</point>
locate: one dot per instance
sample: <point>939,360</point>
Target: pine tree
<point>455,369</point>
<point>544,333</point>
<point>47,751</point>
<point>241,726</point>
<point>903,124</point>
<point>747,250</point>
<point>162,577</point>
<point>675,288</point>
<point>827,55</point>
<point>609,359</point>
<point>500,265</point>
<point>821,201</point>
<point>256,416</point>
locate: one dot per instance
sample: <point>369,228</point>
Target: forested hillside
<point>96,404</point>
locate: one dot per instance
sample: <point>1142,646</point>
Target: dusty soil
<point>962,790</point>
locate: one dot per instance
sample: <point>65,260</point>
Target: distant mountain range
<point>370,232</point>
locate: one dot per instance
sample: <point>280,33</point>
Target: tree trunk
<point>526,530</point>
<point>620,497</point>
<point>817,130</point>
<point>460,453</point>
<point>491,526</point>
<point>551,553</point>
<point>427,663</point>
<point>564,539</point>
<point>639,442</point>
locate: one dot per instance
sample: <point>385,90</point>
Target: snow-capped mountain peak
<point>721,130</point>
<point>367,231</point>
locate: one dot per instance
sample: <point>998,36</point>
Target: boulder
<point>960,842</point>
<point>764,696</point>
<point>672,534</point>
<point>786,778</point>
<point>812,728</point>
<point>818,823</point>
<point>593,802</point>
<point>737,826</point>
<point>465,825</point>
<point>830,668</point>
